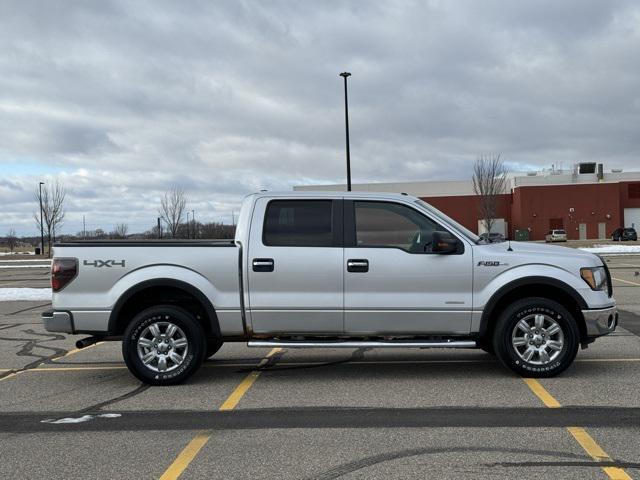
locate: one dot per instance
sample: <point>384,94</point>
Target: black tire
<point>187,325</point>
<point>486,345</point>
<point>526,309</point>
<point>213,345</point>
<point>488,348</point>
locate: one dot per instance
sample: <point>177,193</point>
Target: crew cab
<point>335,269</point>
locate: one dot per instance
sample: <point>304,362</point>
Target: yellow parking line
<point>233,400</point>
<point>541,393</point>
<point>186,456</point>
<point>294,364</point>
<point>192,449</point>
<point>75,350</point>
<point>75,369</point>
<point>592,448</point>
<point>11,375</point>
<point>235,397</point>
<point>580,434</point>
<point>626,281</point>
<point>609,360</point>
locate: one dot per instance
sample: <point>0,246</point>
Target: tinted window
<point>561,232</point>
<point>298,223</point>
<point>380,224</point>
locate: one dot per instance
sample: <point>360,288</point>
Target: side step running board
<point>363,343</point>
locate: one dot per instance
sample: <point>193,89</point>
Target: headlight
<point>595,277</point>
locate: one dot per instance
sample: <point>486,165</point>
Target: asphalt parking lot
<point>316,414</point>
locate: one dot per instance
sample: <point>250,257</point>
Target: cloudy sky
<point>121,100</point>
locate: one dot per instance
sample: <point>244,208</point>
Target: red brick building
<point>587,206</point>
<point>587,211</point>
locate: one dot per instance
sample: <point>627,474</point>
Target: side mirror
<point>443,243</point>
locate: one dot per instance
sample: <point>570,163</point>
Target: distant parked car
<point>493,237</point>
<point>556,236</point>
<point>624,234</point>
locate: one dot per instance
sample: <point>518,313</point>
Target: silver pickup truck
<point>309,270</point>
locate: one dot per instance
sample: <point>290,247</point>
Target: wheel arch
<point>545,287</point>
<point>163,291</point>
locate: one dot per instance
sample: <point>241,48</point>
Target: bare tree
<point>489,181</point>
<point>216,230</point>
<point>53,197</point>
<point>172,209</point>
<point>120,230</point>
<point>12,239</point>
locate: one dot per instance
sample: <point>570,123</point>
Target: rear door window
<point>298,223</point>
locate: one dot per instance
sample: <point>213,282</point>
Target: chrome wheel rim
<point>162,347</point>
<point>538,339</point>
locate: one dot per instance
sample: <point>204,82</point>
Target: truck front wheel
<point>536,337</point>
<point>163,345</point>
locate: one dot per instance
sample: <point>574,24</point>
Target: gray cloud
<point>121,100</point>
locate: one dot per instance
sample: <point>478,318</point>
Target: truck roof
<point>333,194</point>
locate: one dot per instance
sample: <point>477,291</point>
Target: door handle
<point>360,265</point>
<point>263,264</point>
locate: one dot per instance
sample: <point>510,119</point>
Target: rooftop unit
<point>587,167</point>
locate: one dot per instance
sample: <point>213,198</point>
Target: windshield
<point>460,228</point>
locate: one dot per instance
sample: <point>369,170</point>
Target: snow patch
<point>613,249</point>
<point>24,294</point>
<point>25,266</point>
<point>30,260</point>
<point>84,418</point>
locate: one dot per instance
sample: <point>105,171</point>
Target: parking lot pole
<point>41,226</point>
<point>345,75</point>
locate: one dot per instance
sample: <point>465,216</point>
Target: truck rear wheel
<point>536,337</point>
<point>163,345</point>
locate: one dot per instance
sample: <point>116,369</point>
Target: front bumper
<point>56,321</point>
<point>600,321</point>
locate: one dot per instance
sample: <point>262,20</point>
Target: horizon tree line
<point>173,205</point>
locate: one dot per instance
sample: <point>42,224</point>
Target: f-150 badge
<point>492,263</point>
<point>103,263</point>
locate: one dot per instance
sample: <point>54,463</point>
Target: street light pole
<point>345,75</point>
<point>41,226</point>
<point>193,220</point>
<point>188,227</point>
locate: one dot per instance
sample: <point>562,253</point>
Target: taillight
<point>63,270</point>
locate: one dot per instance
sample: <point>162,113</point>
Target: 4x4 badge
<point>103,263</point>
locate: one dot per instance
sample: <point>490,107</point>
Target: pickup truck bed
<point>128,267</point>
